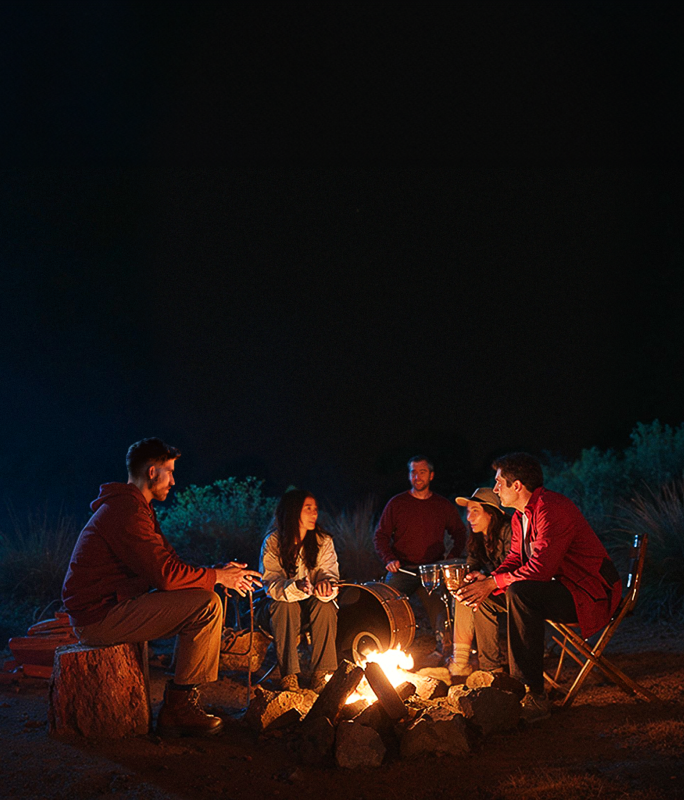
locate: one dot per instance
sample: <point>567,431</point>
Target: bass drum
<point>372,616</point>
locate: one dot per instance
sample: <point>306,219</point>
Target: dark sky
<point>305,246</point>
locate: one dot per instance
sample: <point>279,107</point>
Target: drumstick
<point>407,572</point>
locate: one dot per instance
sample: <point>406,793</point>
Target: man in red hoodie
<point>556,569</point>
<point>125,583</point>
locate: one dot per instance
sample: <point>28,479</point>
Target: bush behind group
<point>637,490</point>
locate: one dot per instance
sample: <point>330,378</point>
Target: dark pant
<point>528,604</point>
<point>286,624</point>
<point>432,603</point>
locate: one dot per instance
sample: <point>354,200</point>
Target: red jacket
<point>564,547</point>
<point>122,553</point>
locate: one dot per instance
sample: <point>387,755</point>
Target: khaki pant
<point>195,616</point>
<point>286,625</point>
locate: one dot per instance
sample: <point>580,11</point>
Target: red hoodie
<point>122,553</point>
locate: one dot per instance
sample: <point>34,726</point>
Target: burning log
<point>352,710</point>
<point>427,688</point>
<point>385,692</point>
<point>336,692</point>
<point>374,715</point>
<point>99,692</point>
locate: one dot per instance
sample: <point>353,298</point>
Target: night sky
<point>305,246</point>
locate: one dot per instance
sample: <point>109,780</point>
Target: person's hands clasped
<point>236,576</point>
<point>476,589</point>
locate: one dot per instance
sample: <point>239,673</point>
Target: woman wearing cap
<point>488,544</point>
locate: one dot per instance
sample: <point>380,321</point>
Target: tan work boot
<point>182,715</point>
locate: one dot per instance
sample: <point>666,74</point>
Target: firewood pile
<point>33,654</point>
<point>422,715</point>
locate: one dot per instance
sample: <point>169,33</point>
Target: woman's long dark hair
<point>483,548</point>
<point>287,515</point>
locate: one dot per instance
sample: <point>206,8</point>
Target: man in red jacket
<point>125,583</point>
<point>556,569</point>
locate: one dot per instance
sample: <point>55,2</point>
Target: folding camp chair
<point>589,656</point>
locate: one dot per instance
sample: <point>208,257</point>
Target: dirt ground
<point>607,745</point>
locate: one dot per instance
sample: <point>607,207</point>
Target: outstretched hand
<point>236,576</point>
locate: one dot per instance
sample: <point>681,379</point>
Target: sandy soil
<point>607,745</point>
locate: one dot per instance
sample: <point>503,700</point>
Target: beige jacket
<point>281,587</point>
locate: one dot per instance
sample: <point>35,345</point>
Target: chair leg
<point>615,675</point>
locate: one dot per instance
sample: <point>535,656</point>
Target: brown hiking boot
<point>182,715</point>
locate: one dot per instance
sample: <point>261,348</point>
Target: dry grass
<point>35,555</point>
<point>664,737</point>
<point>560,784</point>
<point>353,531</point>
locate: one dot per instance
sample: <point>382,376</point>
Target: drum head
<point>372,616</point>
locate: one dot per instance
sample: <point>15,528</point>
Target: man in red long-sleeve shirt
<point>125,583</point>
<point>411,532</point>
<point>556,569</point>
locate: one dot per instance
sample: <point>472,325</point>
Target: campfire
<point>379,706</point>
<point>396,666</point>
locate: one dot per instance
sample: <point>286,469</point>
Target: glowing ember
<point>394,663</point>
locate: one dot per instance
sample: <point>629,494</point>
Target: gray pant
<point>432,603</point>
<point>195,616</point>
<point>286,625</point>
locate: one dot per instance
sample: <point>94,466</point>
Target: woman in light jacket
<point>300,574</point>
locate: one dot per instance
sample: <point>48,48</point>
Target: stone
<point>490,710</point>
<point>357,746</point>
<point>271,710</point>
<point>317,739</point>
<point>498,680</point>
<point>99,692</point>
<point>438,731</point>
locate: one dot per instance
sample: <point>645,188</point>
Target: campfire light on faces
<point>395,664</point>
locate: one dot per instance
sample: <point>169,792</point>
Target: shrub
<point>599,481</point>
<point>219,523</point>
<point>660,515</point>
<point>353,531</point>
<point>35,557</point>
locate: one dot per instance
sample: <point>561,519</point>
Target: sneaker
<point>458,670</point>
<point>289,683</point>
<point>182,715</point>
<point>535,707</point>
